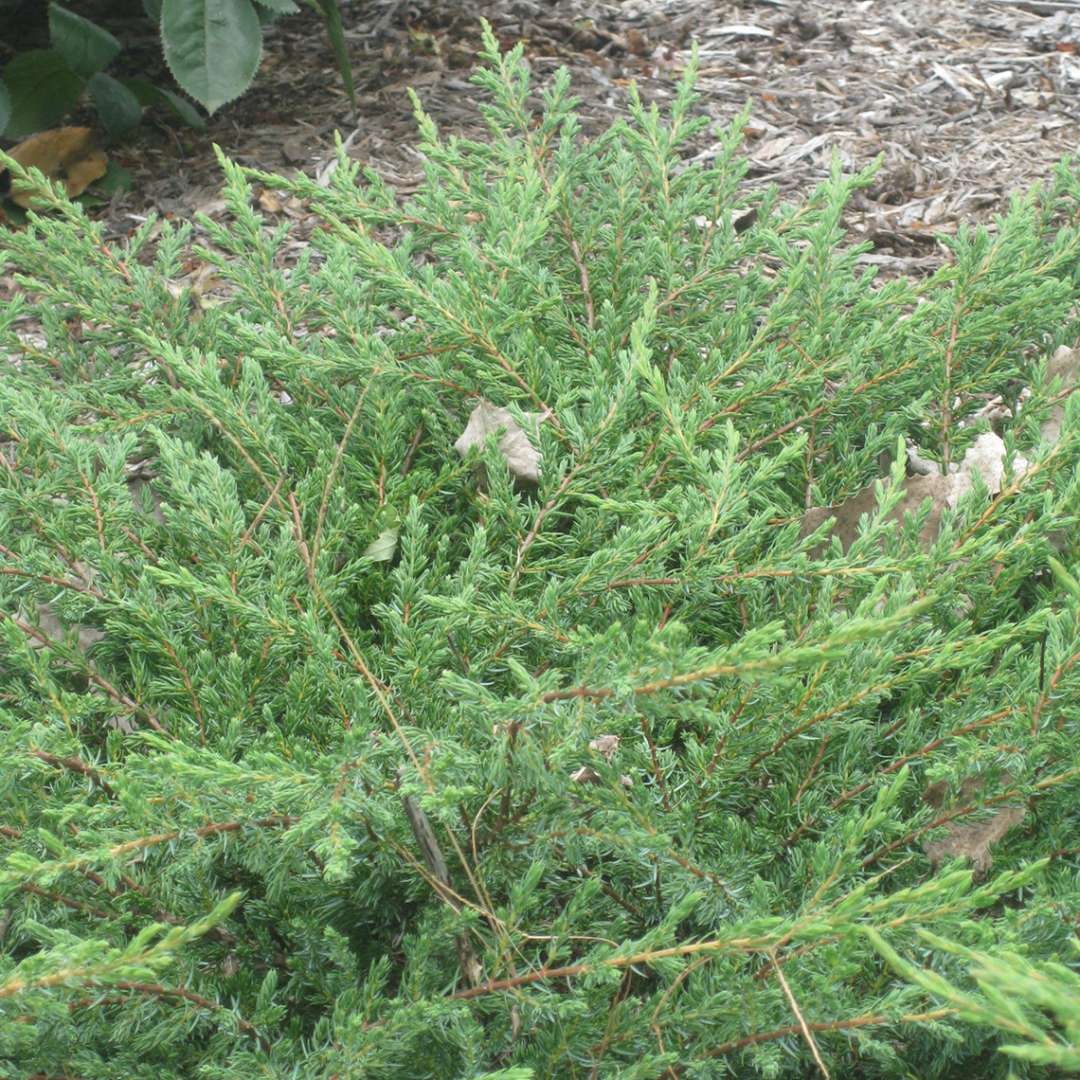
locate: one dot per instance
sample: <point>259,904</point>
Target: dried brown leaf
<point>1063,365</point>
<point>848,513</point>
<point>606,745</point>
<point>585,775</point>
<point>973,842</point>
<point>519,453</point>
<point>270,201</point>
<point>985,458</point>
<point>936,793</point>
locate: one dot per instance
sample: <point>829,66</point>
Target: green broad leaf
<point>279,7</point>
<point>154,96</point>
<point>116,178</point>
<point>85,46</point>
<point>153,10</point>
<point>13,213</point>
<point>212,47</point>
<point>117,106</point>
<point>383,547</point>
<point>335,32</point>
<point>5,106</point>
<point>42,88</point>
<point>182,109</point>
<point>266,16</point>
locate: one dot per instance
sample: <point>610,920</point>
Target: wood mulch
<point>965,102</point>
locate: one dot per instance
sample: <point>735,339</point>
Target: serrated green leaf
<point>212,47</point>
<point>151,96</point>
<point>42,90</point>
<point>84,45</point>
<point>117,106</point>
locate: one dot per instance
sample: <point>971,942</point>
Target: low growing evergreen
<point>416,659</point>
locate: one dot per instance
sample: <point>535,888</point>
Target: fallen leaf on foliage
<point>985,458</point>
<point>55,630</point>
<point>383,547</point>
<point>994,411</point>
<point>67,154</point>
<point>971,841</point>
<point>848,513</point>
<point>270,202</point>
<point>585,775</point>
<point>974,841</point>
<point>196,286</point>
<point>1064,365</point>
<point>606,745</point>
<point>937,793</point>
<point>514,445</point>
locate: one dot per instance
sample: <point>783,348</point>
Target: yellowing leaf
<point>67,154</point>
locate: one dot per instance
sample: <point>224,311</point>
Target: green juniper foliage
<point>332,752</point>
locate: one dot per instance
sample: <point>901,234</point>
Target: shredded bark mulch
<point>965,102</point>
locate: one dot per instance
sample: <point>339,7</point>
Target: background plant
<point>434,771</point>
<point>212,48</point>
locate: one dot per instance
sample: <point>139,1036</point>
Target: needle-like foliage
<point>333,750</point>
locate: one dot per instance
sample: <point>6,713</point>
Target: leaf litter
<point>515,446</point>
<point>985,459</point>
<point>972,842</point>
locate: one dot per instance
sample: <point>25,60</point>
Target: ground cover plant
<point>485,641</point>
